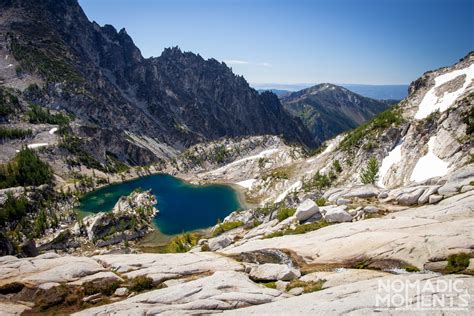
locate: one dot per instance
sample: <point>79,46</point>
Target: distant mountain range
<point>328,110</point>
<point>379,92</point>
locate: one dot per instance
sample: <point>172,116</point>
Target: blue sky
<point>302,41</point>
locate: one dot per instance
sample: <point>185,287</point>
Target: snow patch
<point>393,157</point>
<point>431,103</point>
<point>53,130</point>
<point>429,165</point>
<point>262,154</point>
<point>294,187</point>
<point>36,145</point>
<point>246,183</point>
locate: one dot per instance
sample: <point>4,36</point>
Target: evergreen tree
<point>369,174</point>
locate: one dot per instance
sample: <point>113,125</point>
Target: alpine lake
<point>183,207</point>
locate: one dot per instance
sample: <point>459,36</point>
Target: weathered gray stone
<point>121,292</point>
<point>306,210</point>
<point>274,272</point>
<point>435,198</point>
<point>456,180</point>
<point>424,198</point>
<point>218,292</point>
<point>410,196</point>
<point>467,188</point>
<point>296,291</point>
<point>336,214</point>
<point>219,242</point>
<point>371,209</point>
<point>342,201</point>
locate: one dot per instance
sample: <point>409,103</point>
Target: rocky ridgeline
<point>129,219</point>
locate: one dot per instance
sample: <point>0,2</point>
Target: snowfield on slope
<point>393,157</point>
<point>429,166</point>
<point>431,102</point>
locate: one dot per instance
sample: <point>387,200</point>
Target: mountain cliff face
<point>62,61</point>
<point>328,110</point>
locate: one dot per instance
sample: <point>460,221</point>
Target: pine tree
<point>369,174</point>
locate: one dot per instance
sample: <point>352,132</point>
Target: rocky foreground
<point>335,269</point>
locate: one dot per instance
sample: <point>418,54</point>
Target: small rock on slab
<point>274,272</point>
<point>306,210</point>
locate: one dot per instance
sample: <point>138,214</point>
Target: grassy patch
<point>308,286</point>
<point>281,173</point>
<point>300,229</point>
<point>321,201</point>
<point>226,226</point>
<point>270,285</point>
<point>106,288</point>
<point>182,243</point>
<point>457,262</point>
<point>285,212</point>
<point>140,283</point>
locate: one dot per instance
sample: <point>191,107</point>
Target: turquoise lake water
<point>182,206</point>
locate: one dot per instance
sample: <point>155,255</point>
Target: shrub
<point>457,262</point>
<point>285,212</point>
<point>182,243</point>
<point>308,286</point>
<point>318,181</point>
<point>336,166</point>
<point>283,173</point>
<point>140,283</point>
<point>321,201</point>
<point>106,288</point>
<point>226,226</point>
<point>369,174</point>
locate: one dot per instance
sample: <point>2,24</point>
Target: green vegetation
<point>285,212</point>
<point>270,285</point>
<point>115,165</point>
<point>226,226</point>
<point>265,210</point>
<point>336,166</point>
<point>13,210</point>
<point>51,63</point>
<point>262,161</point>
<point>380,122</point>
<point>25,169</point>
<point>457,262</point>
<point>8,102</point>
<point>410,268</point>
<point>220,154</point>
<point>140,283</point>
<point>308,286</point>
<point>369,174</point>
<point>318,181</point>
<point>282,173</point>
<point>321,201</point>
<point>182,243</point>
<point>75,145</point>
<point>106,288</point>
<point>468,119</point>
<point>300,229</point>
<point>38,115</point>
<point>11,133</point>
